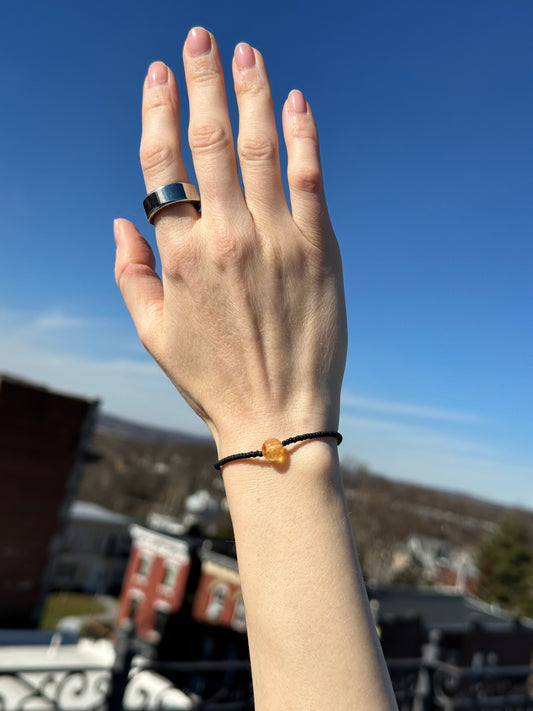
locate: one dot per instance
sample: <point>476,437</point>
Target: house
<point>43,438</point>
<point>182,593</point>
<point>171,571</point>
<point>94,550</point>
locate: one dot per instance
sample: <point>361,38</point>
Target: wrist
<point>251,433</point>
<point>257,487</point>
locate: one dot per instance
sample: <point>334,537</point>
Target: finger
<point>210,136</point>
<point>304,172</point>
<point>139,285</point>
<point>258,139</point>
<point>160,152</point>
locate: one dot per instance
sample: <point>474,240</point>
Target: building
<point>155,582</point>
<point>94,550</point>
<point>170,572</point>
<point>43,437</point>
<point>182,592</point>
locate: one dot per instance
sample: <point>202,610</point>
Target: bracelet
<point>274,449</point>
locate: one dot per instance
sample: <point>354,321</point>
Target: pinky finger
<point>140,286</point>
<point>304,172</point>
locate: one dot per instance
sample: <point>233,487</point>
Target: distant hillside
<point>385,512</point>
<point>134,469</point>
<point>119,426</point>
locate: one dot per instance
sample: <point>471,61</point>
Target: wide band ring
<point>169,195</point>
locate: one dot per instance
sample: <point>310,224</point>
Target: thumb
<point>140,286</point>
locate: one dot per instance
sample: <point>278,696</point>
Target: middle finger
<point>210,136</point>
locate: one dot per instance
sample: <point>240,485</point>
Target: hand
<point>248,320</point>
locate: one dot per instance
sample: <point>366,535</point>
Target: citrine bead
<point>273,450</point>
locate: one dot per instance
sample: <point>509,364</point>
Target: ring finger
<point>160,152</point>
<point>258,137</point>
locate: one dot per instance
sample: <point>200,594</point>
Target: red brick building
<point>218,599</point>
<point>183,594</point>
<point>155,581</point>
<point>43,437</point>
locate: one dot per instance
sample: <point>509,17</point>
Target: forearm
<point>312,640</point>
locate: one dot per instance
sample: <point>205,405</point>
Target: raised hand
<point>248,320</point>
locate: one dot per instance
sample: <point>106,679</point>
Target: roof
<point>87,511</point>
<point>22,382</point>
<point>435,607</point>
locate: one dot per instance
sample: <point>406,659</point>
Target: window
<point>161,617</point>
<point>238,621</point>
<point>134,607</point>
<point>144,566</point>
<point>216,602</point>
<point>169,576</point>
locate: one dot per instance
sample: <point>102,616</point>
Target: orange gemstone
<point>273,450</point>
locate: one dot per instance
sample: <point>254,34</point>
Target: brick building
<point>183,594</point>
<point>155,582</point>
<point>43,436</point>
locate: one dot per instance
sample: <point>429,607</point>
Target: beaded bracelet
<point>274,449</point>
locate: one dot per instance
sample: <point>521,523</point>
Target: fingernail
<point>116,230</point>
<point>244,56</point>
<point>198,42</point>
<point>297,102</point>
<point>157,74</point>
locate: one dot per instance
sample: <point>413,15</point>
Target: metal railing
<point>136,683</point>
<point>418,685</point>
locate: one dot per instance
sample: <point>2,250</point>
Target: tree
<point>505,562</point>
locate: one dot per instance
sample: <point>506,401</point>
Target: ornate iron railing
<point>74,688</point>
<point>139,686</point>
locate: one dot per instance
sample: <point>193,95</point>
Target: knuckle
<point>304,130</point>
<point>208,137</point>
<point>228,245</point>
<point>157,99</point>
<point>203,74</point>
<point>257,148</point>
<point>156,156</point>
<point>307,180</point>
<point>178,258</point>
<point>224,242</point>
<point>248,85</point>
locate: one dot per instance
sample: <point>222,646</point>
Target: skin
<point>248,321</point>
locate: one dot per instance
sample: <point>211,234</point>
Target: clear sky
<point>425,112</point>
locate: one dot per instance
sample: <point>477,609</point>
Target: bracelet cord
<point>290,440</point>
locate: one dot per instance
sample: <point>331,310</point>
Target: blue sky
<point>425,116</point>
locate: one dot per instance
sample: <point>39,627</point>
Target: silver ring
<point>168,195</point>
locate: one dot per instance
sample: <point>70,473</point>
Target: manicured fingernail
<point>198,42</point>
<point>297,102</point>
<point>116,230</point>
<point>244,56</point>
<point>157,74</point>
